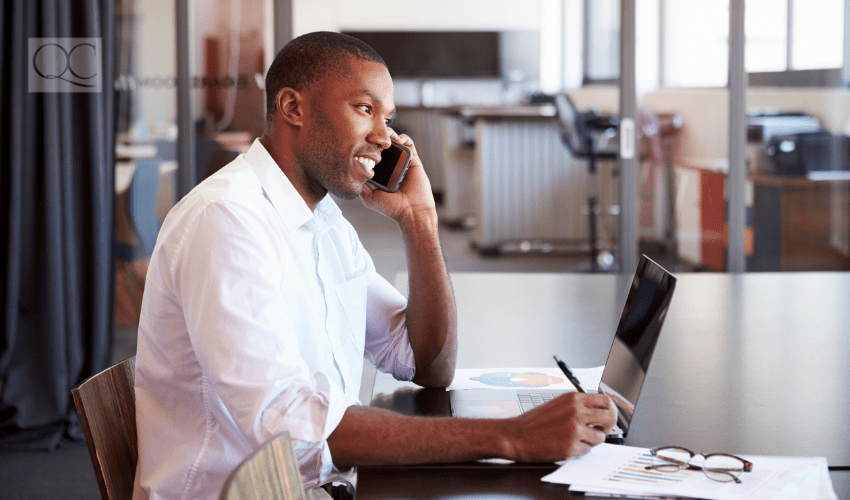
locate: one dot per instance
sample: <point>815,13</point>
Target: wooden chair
<point>270,472</point>
<point>106,403</point>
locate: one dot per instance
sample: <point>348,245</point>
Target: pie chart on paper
<point>526,380</point>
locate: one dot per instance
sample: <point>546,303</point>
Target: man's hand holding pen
<point>567,426</point>
<point>569,373</point>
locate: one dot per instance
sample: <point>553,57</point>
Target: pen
<point>566,369</point>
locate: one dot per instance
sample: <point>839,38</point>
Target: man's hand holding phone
<point>389,172</point>
<point>412,195</point>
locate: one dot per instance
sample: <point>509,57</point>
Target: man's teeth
<point>366,162</point>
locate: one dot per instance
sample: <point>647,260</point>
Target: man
<point>261,303</point>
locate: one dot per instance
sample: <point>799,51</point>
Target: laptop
<point>625,370</point>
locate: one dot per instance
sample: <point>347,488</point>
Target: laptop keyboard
<point>529,400</point>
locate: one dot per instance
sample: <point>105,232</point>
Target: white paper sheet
<point>524,378</point>
<point>617,469</point>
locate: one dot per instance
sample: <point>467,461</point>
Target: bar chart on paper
<point>613,469</point>
<point>634,471</point>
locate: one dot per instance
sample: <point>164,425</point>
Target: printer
<point>816,155</point>
<point>762,127</point>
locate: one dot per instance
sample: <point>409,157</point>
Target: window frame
<point>826,77</point>
<point>823,77</point>
<point>586,79</point>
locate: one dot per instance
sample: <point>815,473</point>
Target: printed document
<point>613,469</point>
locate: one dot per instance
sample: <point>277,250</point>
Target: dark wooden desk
<point>793,222</point>
<point>753,364</point>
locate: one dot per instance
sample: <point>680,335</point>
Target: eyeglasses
<point>716,466</point>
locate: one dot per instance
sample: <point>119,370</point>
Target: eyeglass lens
<point>671,459</point>
<point>723,468</point>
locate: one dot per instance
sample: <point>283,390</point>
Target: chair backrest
<point>573,132</point>
<point>106,404</point>
<point>270,472</point>
<point>585,133</point>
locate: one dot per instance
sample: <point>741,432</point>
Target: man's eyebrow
<point>370,95</point>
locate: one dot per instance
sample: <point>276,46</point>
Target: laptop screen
<point>640,324</point>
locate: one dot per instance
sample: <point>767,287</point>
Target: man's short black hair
<point>308,58</point>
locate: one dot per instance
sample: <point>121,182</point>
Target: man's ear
<point>290,106</point>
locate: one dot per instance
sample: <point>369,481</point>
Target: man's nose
<point>381,136</point>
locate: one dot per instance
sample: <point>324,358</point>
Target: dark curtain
<point>57,197</point>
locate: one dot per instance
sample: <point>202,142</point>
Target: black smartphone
<point>390,171</point>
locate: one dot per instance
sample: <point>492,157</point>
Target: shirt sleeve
<point>387,344</point>
<point>241,330</point>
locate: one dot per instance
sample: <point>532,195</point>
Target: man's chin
<point>348,194</point>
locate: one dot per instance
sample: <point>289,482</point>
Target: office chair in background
<point>141,210</point>
<point>586,135</point>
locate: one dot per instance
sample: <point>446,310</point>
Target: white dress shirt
<point>255,320</point>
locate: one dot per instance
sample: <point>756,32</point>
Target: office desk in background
<point>801,224</point>
<point>752,364</point>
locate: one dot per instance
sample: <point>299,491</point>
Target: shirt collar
<point>291,207</point>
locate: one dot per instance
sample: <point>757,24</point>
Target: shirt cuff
<point>338,403</point>
<point>321,410</point>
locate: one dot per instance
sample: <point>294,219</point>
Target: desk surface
<point>826,178</point>
<point>752,364</point>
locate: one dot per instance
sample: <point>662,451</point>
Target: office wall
<point>704,139</point>
<point>705,115</point>
<point>416,15</point>
<point>830,105</point>
<point>604,99</point>
<point>538,16</point>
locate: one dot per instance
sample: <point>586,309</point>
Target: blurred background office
<point>559,135</point>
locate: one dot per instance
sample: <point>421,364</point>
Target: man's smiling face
<point>345,129</point>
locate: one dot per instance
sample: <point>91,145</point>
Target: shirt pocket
<point>352,296</point>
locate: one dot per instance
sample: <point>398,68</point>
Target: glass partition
<point>230,42</point>
<point>798,172</point>
<point>683,131</point>
<point>146,161</point>
<point>796,193</point>
<point>232,49</point>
